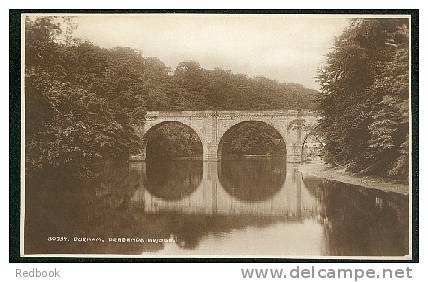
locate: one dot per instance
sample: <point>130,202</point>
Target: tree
<point>76,114</point>
<point>364,98</point>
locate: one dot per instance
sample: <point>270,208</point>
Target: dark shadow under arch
<point>188,142</point>
<point>277,138</point>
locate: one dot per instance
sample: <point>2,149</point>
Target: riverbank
<point>319,169</point>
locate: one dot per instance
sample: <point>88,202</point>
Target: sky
<point>286,48</point>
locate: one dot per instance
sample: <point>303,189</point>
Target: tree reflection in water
<point>190,230</point>
<point>361,221</point>
<point>63,205</point>
<point>253,179</point>
<point>172,180</point>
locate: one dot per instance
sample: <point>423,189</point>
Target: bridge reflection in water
<point>262,187</point>
<point>250,207</point>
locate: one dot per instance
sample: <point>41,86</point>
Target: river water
<point>245,207</point>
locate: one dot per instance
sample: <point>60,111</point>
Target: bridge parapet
<point>230,112</point>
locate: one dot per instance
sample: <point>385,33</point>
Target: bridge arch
<point>151,127</point>
<point>231,127</point>
<point>312,144</point>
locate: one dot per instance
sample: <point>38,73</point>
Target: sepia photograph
<point>180,135</point>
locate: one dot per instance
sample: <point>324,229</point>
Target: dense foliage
<point>82,100</point>
<point>365,98</point>
<point>196,88</point>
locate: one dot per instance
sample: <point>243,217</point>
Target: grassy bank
<point>319,169</point>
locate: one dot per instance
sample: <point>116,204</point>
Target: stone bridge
<point>210,126</point>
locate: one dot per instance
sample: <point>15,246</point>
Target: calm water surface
<point>259,207</point>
